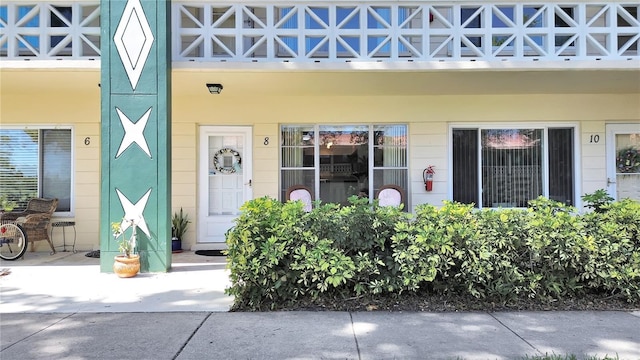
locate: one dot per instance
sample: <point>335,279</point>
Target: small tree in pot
<point>179,224</point>
<point>127,264</point>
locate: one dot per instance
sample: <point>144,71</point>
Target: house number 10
<point>594,139</point>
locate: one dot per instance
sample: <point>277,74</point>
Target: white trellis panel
<point>39,30</point>
<point>343,31</point>
<point>411,31</point>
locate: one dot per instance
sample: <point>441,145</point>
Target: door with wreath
<point>224,181</point>
<point>623,161</point>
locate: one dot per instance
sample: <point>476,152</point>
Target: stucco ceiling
<point>407,83</point>
<point>191,82</point>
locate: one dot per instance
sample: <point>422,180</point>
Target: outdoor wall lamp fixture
<point>214,88</point>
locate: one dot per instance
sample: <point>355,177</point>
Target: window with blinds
<point>337,162</point>
<point>509,167</point>
<point>36,163</point>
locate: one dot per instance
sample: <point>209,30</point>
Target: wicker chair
<point>35,219</point>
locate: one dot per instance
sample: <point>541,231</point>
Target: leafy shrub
<point>415,258</point>
<point>321,266</point>
<point>613,238</point>
<point>279,254</point>
<point>496,257</point>
<point>447,229</point>
<point>598,200</point>
<point>555,240</point>
<point>260,252</point>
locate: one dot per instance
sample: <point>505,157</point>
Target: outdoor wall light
<point>214,88</point>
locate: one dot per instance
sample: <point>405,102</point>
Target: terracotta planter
<point>126,267</point>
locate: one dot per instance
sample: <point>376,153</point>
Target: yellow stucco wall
<point>64,106</point>
<point>428,117</point>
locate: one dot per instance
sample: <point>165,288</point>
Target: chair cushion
<point>302,195</point>
<point>389,197</point>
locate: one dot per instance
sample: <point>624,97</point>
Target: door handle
<point>249,183</point>
<point>609,182</point>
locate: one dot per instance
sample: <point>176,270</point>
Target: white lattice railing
<point>340,31</point>
<point>394,31</point>
<point>39,30</point>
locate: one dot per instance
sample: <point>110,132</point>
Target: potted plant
<point>179,224</point>
<point>128,263</point>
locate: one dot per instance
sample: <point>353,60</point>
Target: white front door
<point>623,161</point>
<point>224,181</point>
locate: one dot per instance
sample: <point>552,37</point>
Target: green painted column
<point>136,128</point>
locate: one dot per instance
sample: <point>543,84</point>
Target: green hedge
<point>278,253</point>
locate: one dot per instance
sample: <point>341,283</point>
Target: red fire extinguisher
<point>427,175</point>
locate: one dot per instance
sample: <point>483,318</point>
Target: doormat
<point>93,254</point>
<point>209,252</point>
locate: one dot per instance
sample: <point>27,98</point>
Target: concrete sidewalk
<point>318,335</point>
<point>62,307</point>
<point>70,283</point>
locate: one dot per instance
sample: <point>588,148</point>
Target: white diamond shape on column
<point>133,39</point>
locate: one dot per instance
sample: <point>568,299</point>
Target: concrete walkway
<point>62,307</point>
<point>71,283</point>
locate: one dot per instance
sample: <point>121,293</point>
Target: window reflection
<point>336,162</point>
<point>344,162</point>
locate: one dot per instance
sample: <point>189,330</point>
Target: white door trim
<point>612,130</point>
<point>204,131</point>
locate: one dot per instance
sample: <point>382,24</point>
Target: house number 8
<point>266,140</point>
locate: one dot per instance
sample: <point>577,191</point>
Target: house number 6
<point>87,141</point>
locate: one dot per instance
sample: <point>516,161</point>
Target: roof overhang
<point>351,79</point>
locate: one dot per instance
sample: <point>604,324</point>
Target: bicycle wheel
<point>13,241</point>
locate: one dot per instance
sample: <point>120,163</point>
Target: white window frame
<point>71,211</point>
<point>577,178</point>
<point>370,146</point>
